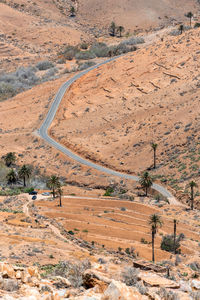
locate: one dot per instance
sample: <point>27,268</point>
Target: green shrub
<point>85,55</point>
<point>71,232</point>
<point>197,25</point>
<point>167,243</point>
<point>143,241</point>
<point>109,191</point>
<point>44,65</point>
<point>28,190</point>
<point>84,46</point>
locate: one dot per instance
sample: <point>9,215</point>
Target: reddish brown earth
<point>119,223</point>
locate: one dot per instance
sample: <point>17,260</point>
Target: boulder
<point>18,274</point>
<point>195,284</point>
<point>119,291</point>
<point>7,270</point>
<point>33,271</point>
<point>9,285</point>
<point>154,280</point>
<point>92,278</point>
<point>61,282</point>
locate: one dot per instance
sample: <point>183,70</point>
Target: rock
<point>26,277</point>
<point>18,275</point>
<point>33,271</point>
<point>7,270</point>
<point>93,278</point>
<point>195,284</point>
<point>156,280</point>
<point>61,282</point>
<point>185,287</point>
<point>119,291</point>
<point>9,285</point>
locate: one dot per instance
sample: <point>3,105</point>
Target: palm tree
<point>146,182</point>
<point>9,159</point>
<point>25,172</point>
<point>60,192</point>
<point>112,29</point>
<point>120,29</point>
<point>189,15</point>
<point>181,27</point>
<point>53,183</point>
<point>154,147</point>
<point>174,236</point>
<point>153,233</point>
<point>11,177</point>
<point>192,184</point>
<point>154,222</point>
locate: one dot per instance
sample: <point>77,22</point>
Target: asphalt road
<point>43,132</point>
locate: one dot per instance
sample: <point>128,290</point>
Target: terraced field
<point>113,223</point>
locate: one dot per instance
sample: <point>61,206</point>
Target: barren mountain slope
<point>134,13</point>
<point>31,30</point>
<point>114,113</point>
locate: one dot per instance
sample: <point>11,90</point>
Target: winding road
<point>43,133</point>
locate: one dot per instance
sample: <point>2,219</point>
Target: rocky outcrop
<point>119,291</point>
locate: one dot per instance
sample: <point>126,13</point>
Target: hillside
<point>33,30</point>
<point>134,14</point>
<point>83,234</point>
<point>149,96</point>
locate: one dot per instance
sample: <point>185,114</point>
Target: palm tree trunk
<point>60,201</point>
<point>53,193</point>
<point>174,236</point>
<point>146,191</point>
<point>24,180</point>
<point>153,236</point>
<point>192,198</point>
<point>190,21</point>
<point>154,156</point>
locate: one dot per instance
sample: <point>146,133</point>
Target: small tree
<point>154,147</point>
<point>112,29</point>
<point>60,192</point>
<point>120,29</point>
<point>53,183</point>
<point>146,182</point>
<point>192,184</point>
<point>167,243</point>
<point>11,177</point>
<point>181,28</point>
<point>190,16</point>
<point>72,11</point>
<point>9,158</point>
<point>25,172</point>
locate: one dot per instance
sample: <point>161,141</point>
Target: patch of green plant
<point>109,192</point>
<point>71,232</point>
<point>143,241</point>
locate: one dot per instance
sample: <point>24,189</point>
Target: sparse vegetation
<point>167,243</point>
<point>130,276</point>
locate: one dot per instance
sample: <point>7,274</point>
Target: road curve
<point>43,132</point>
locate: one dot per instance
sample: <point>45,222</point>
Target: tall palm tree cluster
<point>155,222</point>
<point>13,176</point>
<point>114,29</point>
<point>54,184</point>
